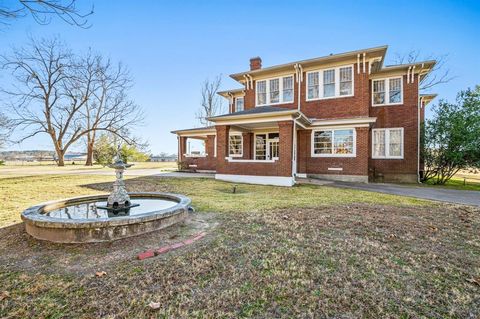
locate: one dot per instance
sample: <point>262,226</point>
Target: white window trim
<point>236,103</point>
<point>387,143</point>
<point>266,141</point>
<point>337,83</point>
<point>241,145</point>
<point>387,91</point>
<point>312,142</point>
<point>280,88</point>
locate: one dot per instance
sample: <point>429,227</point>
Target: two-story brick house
<point>343,116</point>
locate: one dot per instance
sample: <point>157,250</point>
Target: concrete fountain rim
<point>34,215</point>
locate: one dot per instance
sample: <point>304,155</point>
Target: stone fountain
<point>118,201</point>
<point>103,217</point>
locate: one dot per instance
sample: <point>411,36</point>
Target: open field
<point>306,251</point>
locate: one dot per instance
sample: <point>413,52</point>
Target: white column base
<point>253,179</point>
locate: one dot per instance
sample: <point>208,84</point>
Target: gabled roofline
<point>381,49</point>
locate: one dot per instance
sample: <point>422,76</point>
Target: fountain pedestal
<point>118,201</point>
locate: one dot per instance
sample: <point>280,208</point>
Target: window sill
<point>280,103</point>
<point>230,159</point>
<point>334,155</point>
<point>387,158</point>
<point>329,98</point>
<point>195,155</point>
<point>387,104</point>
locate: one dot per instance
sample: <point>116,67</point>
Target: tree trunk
<point>90,144</point>
<point>60,156</point>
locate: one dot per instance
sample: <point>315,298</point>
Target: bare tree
<point>65,96</point>
<point>4,129</point>
<point>110,110</point>
<point>211,102</point>
<point>438,75</point>
<point>43,10</point>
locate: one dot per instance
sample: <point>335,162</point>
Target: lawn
<point>306,251</point>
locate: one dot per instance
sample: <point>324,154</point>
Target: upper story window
<point>235,145</point>
<point>330,83</point>
<point>239,104</point>
<point>333,143</point>
<point>387,143</point>
<point>275,91</point>
<point>387,91</point>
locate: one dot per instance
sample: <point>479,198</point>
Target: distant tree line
<point>68,96</point>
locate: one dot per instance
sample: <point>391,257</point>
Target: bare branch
<point>211,103</point>
<point>43,10</point>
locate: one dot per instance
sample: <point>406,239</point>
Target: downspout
<point>299,72</point>
<point>418,130</point>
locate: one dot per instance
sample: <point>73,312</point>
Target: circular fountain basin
<point>79,220</point>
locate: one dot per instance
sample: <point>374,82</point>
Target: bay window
<point>235,145</point>
<point>330,83</point>
<point>333,143</point>
<point>387,91</point>
<point>387,143</point>
<point>275,91</point>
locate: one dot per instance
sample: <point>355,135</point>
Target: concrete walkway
<point>423,192</point>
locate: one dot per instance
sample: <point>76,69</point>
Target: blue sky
<point>171,47</point>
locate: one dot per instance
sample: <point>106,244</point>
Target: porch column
<point>182,148</point>
<point>285,150</point>
<point>222,146</point>
<point>210,145</point>
<point>247,145</point>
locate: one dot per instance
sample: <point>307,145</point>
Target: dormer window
<point>275,91</point>
<point>330,83</point>
<point>387,91</point>
<point>239,104</point>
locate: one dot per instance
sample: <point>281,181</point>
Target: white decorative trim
<point>335,168</point>
<point>195,155</point>
<point>312,141</point>
<point>301,175</point>
<point>387,91</point>
<point>239,160</point>
<point>262,180</point>
<point>387,143</point>
<point>354,122</point>
<point>337,83</point>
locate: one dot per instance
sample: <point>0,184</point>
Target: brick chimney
<point>255,63</point>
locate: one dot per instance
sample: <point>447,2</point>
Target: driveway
<point>424,192</point>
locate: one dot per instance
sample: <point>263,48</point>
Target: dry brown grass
<point>350,260</point>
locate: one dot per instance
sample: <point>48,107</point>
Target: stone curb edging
<point>165,249</point>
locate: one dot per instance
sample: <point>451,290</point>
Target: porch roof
<point>261,114</point>
<point>206,130</point>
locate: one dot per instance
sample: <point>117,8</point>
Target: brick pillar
<point>182,140</point>
<point>222,146</point>
<point>247,145</point>
<point>210,146</point>
<point>303,150</point>
<point>362,150</point>
<point>285,129</point>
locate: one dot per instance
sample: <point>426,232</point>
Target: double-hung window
<point>333,143</point>
<point>387,143</point>
<point>275,91</point>
<point>235,145</point>
<point>239,104</point>
<point>387,91</point>
<point>330,83</point>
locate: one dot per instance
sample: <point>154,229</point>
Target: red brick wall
<point>404,115</point>
<point>345,107</point>
<point>319,165</point>
<point>281,167</point>
<point>202,163</point>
